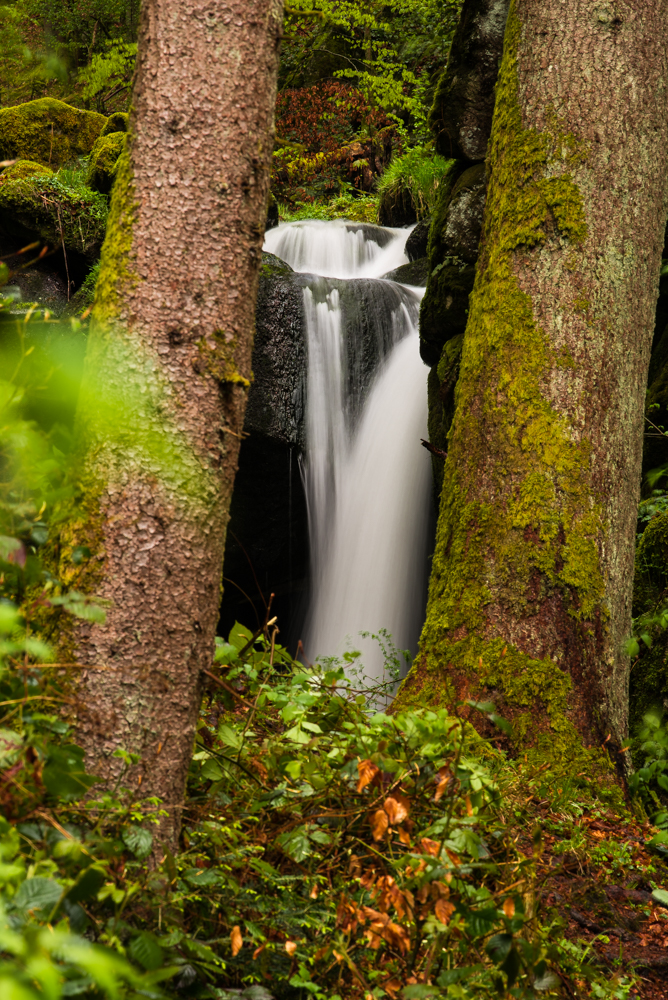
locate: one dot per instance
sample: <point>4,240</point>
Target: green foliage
<point>415,176</point>
<point>355,209</point>
<point>389,51</point>
<point>109,74</point>
<point>48,131</point>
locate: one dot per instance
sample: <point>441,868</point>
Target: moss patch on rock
<point>39,207</point>
<point>103,162</point>
<point>118,122</point>
<point>48,131</point>
<point>22,169</point>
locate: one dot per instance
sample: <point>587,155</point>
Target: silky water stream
<point>366,478</point>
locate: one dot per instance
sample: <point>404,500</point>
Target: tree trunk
<point>168,368</point>
<point>530,595</point>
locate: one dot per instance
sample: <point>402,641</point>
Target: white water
<point>367,478</point>
<point>337,249</point>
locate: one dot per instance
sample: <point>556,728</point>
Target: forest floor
<point>597,874</point>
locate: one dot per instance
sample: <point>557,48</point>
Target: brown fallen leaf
<point>290,947</point>
<point>443,910</point>
<point>313,894</point>
<point>258,951</point>
<point>397,807</point>
<point>509,908</point>
<point>236,940</point>
<point>379,821</point>
<point>367,771</point>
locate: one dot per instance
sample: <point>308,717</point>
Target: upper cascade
<point>338,249</point>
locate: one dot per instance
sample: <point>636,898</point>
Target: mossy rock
<point>48,131</point>
<point>445,307</point>
<point>103,162</point>
<point>40,207</point>
<point>118,122</point>
<point>23,169</point>
<point>418,241</point>
<point>396,207</point>
<point>457,224</point>
<point>461,116</point>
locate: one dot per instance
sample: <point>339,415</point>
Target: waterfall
<point>367,479</point>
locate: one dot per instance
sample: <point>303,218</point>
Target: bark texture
<point>530,595</point>
<point>168,369</point>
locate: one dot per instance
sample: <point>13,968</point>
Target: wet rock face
<point>460,235</point>
<point>416,244</point>
<point>461,117</point>
<point>277,397</point>
<point>415,273</point>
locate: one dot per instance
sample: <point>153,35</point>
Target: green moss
<point>103,162</point>
<point>48,132</point>
<point>217,353</point>
<point>118,122</point>
<point>531,534</point>
<point>441,383</point>
<point>39,207</point>
<point>117,273</point>
<point>22,169</point>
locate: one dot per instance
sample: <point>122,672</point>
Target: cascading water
<point>366,477</point>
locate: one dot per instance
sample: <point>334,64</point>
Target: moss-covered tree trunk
<point>168,369</point>
<point>530,594</point>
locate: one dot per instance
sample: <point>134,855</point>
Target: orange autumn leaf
<point>258,951</point>
<point>469,807</point>
<point>456,860</point>
<point>379,823</point>
<point>430,846</point>
<point>397,806</point>
<point>404,836</point>
<point>367,771</point>
<point>443,779</point>
<point>236,940</point>
<point>443,910</point>
<point>509,908</point>
<point>313,894</point>
<point>290,947</point>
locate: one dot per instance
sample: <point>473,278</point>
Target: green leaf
<point>202,876</point>
<point>87,885</point>
<point>498,948</point>
<point>229,737</point>
<point>548,981</point>
<point>139,841</point>
<point>145,950</point>
<point>37,895</point>
<point>661,896</point>
<point>64,774</point>
<point>295,843</point>
<point>225,651</point>
<point>211,770</point>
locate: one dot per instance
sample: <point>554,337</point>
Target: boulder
<point>415,273</point>
<point>461,116</point>
<point>103,162</point>
<point>396,208</point>
<point>417,242</point>
<point>48,131</point>
<point>38,207</point>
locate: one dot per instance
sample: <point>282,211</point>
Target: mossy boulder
<point>48,131</point>
<point>23,169</point>
<point>103,162</point>
<point>441,383</point>
<point>118,122</point>
<point>461,116</point>
<point>40,207</point>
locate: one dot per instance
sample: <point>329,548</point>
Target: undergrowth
<point>328,850</point>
